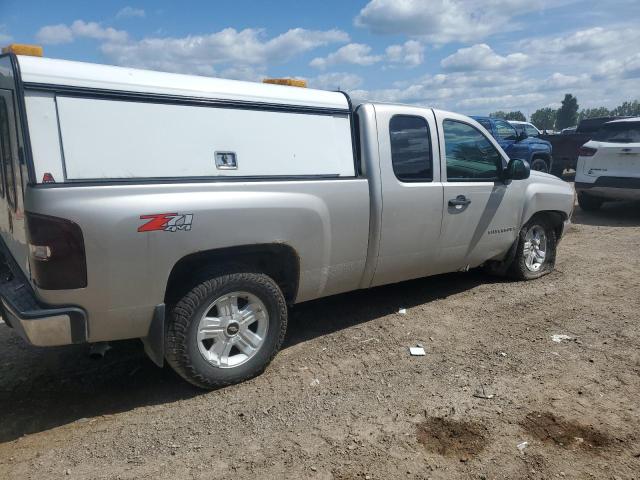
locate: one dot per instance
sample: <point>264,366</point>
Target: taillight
<point>587,151</point>
<point>56,252</point>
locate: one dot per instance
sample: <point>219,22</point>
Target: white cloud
<point>130,12</point>
<point>353,53</point>
<point>61,33</point>
<point>444,20</point>
<point>411,53</point>
<point>228,48</point>
<point>482,57</point>
<point>54,34</point>
<point>336,81</point>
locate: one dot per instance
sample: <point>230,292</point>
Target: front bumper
<point>40,325</point>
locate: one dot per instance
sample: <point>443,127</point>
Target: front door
<point>411,193</point>
<point>481,212</point>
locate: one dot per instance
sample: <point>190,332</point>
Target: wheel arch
<point>556,217</point>
<point>543,156</point>
<point>277,260</point>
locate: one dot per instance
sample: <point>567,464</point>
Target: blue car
<point>518,145</point>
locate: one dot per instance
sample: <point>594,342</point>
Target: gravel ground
<point>344,400</point>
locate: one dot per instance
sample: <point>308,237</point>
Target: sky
<point>468,56</point>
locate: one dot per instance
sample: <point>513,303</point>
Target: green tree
<point>594,113</point>
<point>631,109</point>
<point>518,115</point>
<point>544,118</point>
<point>498,114</point>
<point>567,114</point>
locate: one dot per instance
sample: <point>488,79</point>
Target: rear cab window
<point>411,155</point>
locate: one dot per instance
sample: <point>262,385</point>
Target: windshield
<point>619,132</point>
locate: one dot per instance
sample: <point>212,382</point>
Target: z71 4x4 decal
<point>167,222</point>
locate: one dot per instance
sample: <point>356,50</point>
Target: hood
<point>535,141</point>
<point>547,178</point>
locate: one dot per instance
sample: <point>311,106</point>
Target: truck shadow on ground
<point>611,214</point>
<point>41,389</point>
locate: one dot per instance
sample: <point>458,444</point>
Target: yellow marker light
<point>23,49</point>
<point>289,82</point>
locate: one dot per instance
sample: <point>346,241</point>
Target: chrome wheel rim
<point>232,329</point>
<point>535,248</point>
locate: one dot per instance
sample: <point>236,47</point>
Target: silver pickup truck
<point>191,212</point>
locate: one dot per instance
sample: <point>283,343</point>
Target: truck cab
<point>516,144</point>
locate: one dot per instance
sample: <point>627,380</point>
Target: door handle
<point>459,201</point>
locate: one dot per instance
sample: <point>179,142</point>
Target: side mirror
<point>517,169</point>
<point>521,136</point>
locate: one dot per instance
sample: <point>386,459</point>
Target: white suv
<point>609,164</point>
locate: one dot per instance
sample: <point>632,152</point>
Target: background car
<point>519,145</point>
<point>529,128</point>
<point>566,144</point>
<point>609,164</point>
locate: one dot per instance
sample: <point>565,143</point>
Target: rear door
<point>481,212</point>
<point>411,193</point>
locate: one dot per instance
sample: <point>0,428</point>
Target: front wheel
<point>226,329</point>
<point>536,251</point>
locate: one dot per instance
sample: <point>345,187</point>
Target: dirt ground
<point>344,400</point>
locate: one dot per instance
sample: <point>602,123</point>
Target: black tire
<point>540,165</point>
<point>182,351</point>
<point>589,203</point>
<point>519,269</point>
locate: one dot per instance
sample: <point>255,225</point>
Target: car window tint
<point>505,130</point>
<point>470,155</point>
<point>410,149</point>
<point>619,132</point>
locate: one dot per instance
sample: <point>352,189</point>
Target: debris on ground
<point>314,382</point>
<point>481,393</point>
<point>522,445</point>
<point>417,351</point>
<point>558,338</point>
<point>402,311</point>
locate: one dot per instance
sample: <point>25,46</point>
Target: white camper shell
<point>92,122</point>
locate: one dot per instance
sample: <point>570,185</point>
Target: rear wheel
<point>536,251</point>
<point>589,203</point>
<point>226,329</point>
<point>540,165</point>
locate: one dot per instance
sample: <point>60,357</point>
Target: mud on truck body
<point>191,212</point>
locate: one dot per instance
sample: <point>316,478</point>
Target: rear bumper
<point>614,188</point>
<point>40,325</point>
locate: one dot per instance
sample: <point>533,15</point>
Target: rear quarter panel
<point>325,221</point>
